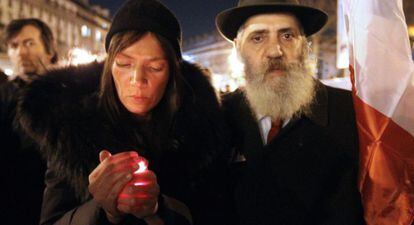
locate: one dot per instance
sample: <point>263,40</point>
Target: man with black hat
<point>295,138</point>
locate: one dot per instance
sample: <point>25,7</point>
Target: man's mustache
<point>275,64</point>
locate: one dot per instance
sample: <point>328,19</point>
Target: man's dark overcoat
<point>308,173</point>
<point>22,168</point>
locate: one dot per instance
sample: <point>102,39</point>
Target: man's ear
<point>237,47</point>
<point>52,56</point>
<point>49,57</point>
<point>236,44</point>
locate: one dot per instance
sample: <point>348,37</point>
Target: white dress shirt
<point>265,123</point>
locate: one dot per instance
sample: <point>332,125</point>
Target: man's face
<point>268,43</point>
<point>274,52</point>
<point>27,52</point>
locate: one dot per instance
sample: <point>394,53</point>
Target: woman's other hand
<point>140,196</point>
<point>109,177</point>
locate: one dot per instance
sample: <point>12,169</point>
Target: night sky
<point>196,16</point>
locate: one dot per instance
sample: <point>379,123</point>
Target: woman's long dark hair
<point>155,130</point>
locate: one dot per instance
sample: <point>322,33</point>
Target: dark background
<point>196,16</point>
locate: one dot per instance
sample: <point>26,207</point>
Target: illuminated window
<point>98,35</point>
<point>85,31</point>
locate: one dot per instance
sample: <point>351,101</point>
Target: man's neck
<point>26,78</point>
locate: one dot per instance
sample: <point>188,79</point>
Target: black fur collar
<point>59,111</point>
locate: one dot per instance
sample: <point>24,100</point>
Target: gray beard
<point>280,97</point>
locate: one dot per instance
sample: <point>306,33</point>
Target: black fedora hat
<point>229,21</point>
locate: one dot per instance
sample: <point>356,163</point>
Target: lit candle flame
<point>142,167</point>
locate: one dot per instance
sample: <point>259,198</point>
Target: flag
<point>382,73</point>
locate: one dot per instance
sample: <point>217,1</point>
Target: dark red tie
<point>274,130</point>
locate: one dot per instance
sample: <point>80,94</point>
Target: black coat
<point>308,173</point>
<point>22,169</point>
<point>61,113</point>
<point>3,77</point>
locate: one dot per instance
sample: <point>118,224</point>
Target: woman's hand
<point>109,177</point>
<point>140,196</point>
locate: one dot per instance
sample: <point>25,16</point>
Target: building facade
<point>74,23</point>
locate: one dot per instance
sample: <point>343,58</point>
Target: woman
<point>150,109</point>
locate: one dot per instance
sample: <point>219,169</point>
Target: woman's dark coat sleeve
<point>59,197</point>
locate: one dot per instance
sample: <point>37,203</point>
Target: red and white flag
<point>382,73</point>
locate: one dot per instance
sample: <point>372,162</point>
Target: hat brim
<point>229,21</point>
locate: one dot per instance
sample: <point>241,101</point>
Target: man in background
<point>31,49</point>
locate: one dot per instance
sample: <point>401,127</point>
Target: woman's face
<point>140,73</point>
